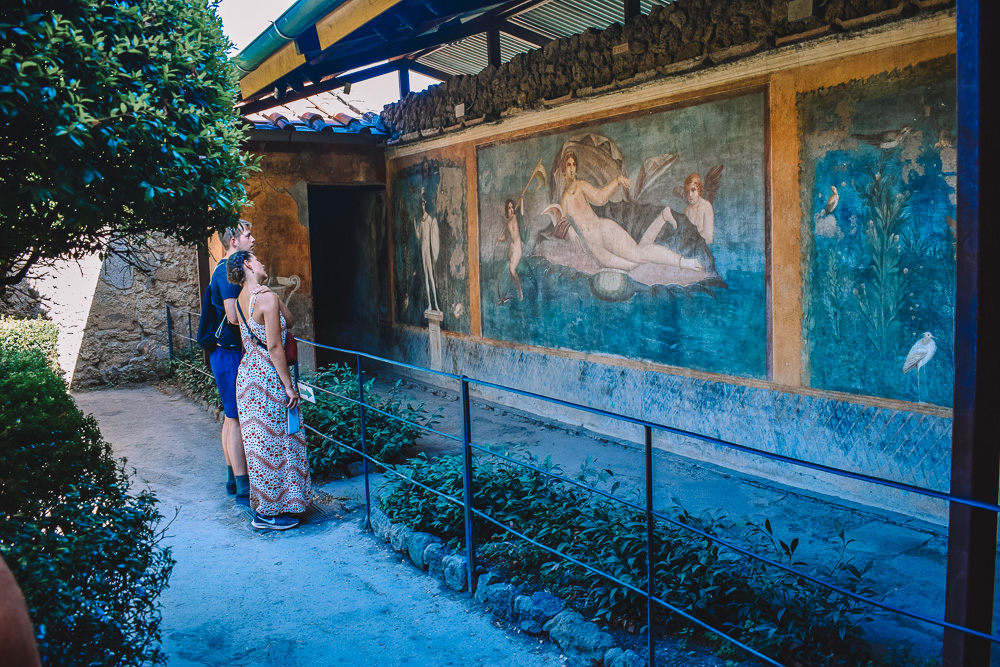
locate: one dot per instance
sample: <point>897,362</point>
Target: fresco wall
<point>431,266</point>
<point>643,238</point>
<point>796,297</point>
<point>878,175</point>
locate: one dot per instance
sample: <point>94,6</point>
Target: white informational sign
<point>306,392</point>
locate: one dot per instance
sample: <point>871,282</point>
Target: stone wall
<point>671,40</point>
<point>125,338</point>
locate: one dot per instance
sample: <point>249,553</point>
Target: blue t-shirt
<point>221,289</point>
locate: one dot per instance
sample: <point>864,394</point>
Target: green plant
<point>118,123</point>
<point>22,334</point>
<point>337,417</point>
<point>780,613</point>
<point>85,550</point>
<point>192,375</point>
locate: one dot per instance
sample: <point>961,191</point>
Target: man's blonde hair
<point>231,233</point>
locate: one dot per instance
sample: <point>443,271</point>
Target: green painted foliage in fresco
<point>878,170</point>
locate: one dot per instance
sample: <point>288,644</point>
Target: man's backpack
<point>209,329</point>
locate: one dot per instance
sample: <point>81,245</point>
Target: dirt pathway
<point>323,594</point>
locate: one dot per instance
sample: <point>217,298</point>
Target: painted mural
<point>643,238</point>
<point>431,267</point>
<point>878,169</point>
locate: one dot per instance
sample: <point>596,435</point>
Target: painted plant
<point>430,266</point>
<point>878,174</point>
<point>642,238</point>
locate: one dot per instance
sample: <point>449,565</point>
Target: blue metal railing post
<point>650,564</point>
<point>470,547</point>
<point>364,446</point>
<point>190,338</point>
<point>170,334</point>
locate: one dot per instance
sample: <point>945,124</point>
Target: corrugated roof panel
<point>562,18</point>
<point>468,56</point>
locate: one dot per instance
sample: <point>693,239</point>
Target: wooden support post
<point>404,82</point>
<point>493,47</point>
<point>632,9</point>
<point>972,533</point>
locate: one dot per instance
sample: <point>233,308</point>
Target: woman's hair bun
<point>235,272</point>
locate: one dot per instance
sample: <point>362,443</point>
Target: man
<point>225,361</point>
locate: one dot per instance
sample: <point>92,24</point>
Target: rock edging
<point>539,613</point>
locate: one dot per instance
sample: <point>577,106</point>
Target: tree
<point>117,122</point>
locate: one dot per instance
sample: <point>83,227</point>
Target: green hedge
<point>781,614</point>
<point>23,334</point>
<point>85,550</point>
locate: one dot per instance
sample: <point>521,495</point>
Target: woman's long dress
<point>278,463</point>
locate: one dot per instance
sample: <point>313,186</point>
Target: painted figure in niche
<point>620,234</point>
<point>512,233</point>
<point>430,246</point>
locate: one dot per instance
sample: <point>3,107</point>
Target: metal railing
<point>469,448</point>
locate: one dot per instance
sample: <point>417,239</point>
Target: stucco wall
<point>125,336</point>
<point>893,427</point>
<point>280,212</point>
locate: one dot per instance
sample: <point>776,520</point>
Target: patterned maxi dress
<point>278,463</point>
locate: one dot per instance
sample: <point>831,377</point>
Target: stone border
<point>537,614</point>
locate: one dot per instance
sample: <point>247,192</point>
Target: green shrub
<point>781,614</point>
<point>22,334</point>
<point>193,376</point>
<point>85,552</point>
<point>340,420</point>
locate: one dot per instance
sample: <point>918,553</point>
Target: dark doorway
<point>347,239</point>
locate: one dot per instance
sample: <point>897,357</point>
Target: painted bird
<point>832,201</point>
<point>885,140</point>
<point>918,356</point>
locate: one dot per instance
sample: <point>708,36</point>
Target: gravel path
<point>322,594</point>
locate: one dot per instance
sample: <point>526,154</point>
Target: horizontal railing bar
<point>741,550</point>
<point>186,312</point>
<point>378,359</point>
<point>899,486</point>
<point>193,367</point>
<point>381,412</point>
<point>632,588</point>
<point>180,335</point>
<point>386,467</point>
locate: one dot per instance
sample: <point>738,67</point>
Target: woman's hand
<point>260,289</point>
<point>293,398</point>
<point>625,183</point>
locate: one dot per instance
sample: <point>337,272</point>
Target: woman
<point>278,463</point>
<point>609,244</point>
<point>511,232</point>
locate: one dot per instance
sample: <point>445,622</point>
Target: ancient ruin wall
<point>671,40</point>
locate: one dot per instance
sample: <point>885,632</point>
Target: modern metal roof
<point>338,42</point>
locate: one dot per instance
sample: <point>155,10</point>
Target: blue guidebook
<point>293,421</point>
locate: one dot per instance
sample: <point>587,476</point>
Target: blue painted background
<point>868,294</point>
<point>442,184</point>
<point>709,328</point>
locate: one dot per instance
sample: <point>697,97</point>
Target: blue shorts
<point>225,363</point>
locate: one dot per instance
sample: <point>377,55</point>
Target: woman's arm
<point>601,197</point>
<point>268,302</point>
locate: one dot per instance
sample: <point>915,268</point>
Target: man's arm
<point>231,315</point>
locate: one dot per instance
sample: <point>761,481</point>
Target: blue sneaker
<point>273,522</point>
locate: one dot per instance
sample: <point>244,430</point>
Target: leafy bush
<point>85,552</point>
<point>340,420</point>
<point>780,613</point>
<point>192,375</point>
<point>22,334</point>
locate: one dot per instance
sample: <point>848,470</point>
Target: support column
<point>972,533</point>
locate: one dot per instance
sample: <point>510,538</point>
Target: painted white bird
<point>832,201</point>
<point>918,356</point>
<point>921,352</point>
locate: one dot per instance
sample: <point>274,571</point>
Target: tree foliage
<point>117,121</point>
